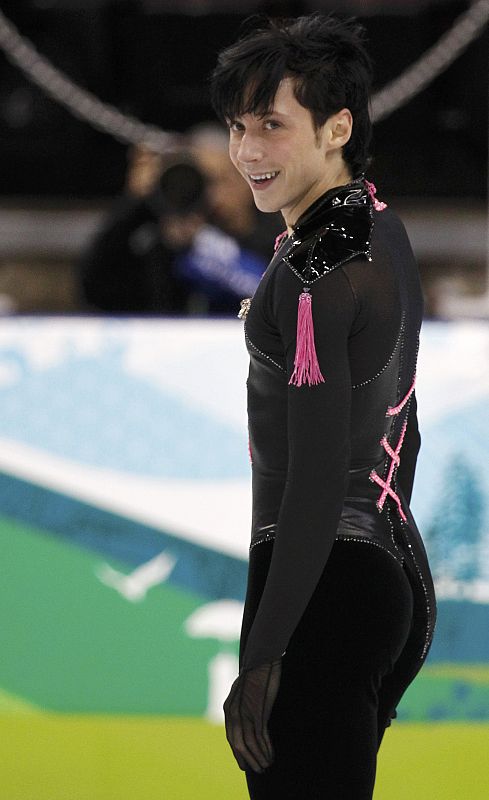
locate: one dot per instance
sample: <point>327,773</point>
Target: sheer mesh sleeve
<point>247,711</point>
<point>318,424</point>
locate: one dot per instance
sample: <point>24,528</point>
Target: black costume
<point>340,607</point>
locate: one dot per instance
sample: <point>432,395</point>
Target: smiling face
<point>284,160</point>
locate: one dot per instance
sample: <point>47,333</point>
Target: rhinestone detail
<point>429,625</point>
<point>343,537</point>
<point>327,270</point>
<point>391,528</point>
<point>269,537</point>
<point>379,373</point>
<point>282,369</point>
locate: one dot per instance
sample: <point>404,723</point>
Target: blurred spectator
<point>231,203</point>
<point>158,253</point>
<point>143,170</point>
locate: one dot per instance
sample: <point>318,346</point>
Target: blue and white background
<point>125,514</point>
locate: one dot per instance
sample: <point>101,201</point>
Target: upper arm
<point>318,415</point>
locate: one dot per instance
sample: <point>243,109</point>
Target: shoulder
<point>389,229</point>
<point>332,299</point>
<point>339,234</point>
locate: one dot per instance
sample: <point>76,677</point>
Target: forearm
<point>306,525</point>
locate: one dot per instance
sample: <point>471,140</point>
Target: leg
<point>405,669</point>
<point>324,723</point>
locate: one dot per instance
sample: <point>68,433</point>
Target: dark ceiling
<point>155,65</point>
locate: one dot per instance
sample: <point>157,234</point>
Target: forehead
<point>285,100</point>
<point>284,103</point>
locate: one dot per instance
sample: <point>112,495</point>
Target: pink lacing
<point>279,240</point>
<point>372,190</point>
<point>393,410</point>
<point>393,454</point>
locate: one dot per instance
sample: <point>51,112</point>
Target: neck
<point>340,177</point>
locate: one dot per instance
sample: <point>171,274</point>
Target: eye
<point>234,125</point>
<point>271,124</point>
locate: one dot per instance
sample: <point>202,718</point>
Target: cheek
<point>233,154</point>
<point>309,167</point>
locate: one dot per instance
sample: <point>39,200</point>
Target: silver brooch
<point>244,308</point>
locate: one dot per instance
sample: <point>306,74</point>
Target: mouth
<point>262,179</point>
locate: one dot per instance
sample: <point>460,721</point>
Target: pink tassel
<point>306,365</point>
<point>378,204</point>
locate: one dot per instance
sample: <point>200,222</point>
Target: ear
<point>339,128</point>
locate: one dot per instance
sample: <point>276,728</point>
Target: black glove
<point>247,711</point>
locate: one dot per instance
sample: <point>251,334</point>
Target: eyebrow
<point>271,113</point>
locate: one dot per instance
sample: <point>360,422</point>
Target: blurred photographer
<point>159,254</point>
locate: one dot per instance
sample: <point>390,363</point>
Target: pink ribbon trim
<point>279,239</point>
<point>393,410</point>
<point>394,455</point>
<point>372,190</point>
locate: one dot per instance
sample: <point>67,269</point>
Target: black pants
<point>350,659</point>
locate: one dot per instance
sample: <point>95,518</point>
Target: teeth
<point>264,176</point>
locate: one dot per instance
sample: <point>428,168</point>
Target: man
<point>231,204</point>
<point>340,609</point>
<point>157,252</point>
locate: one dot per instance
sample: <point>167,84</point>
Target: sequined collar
<point>354,194</point>
<point>334,229</point>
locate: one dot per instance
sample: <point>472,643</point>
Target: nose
<point>250,149</point>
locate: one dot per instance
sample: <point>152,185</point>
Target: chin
<point>267,206</point>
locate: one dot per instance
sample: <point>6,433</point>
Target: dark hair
<point>327,59</point>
